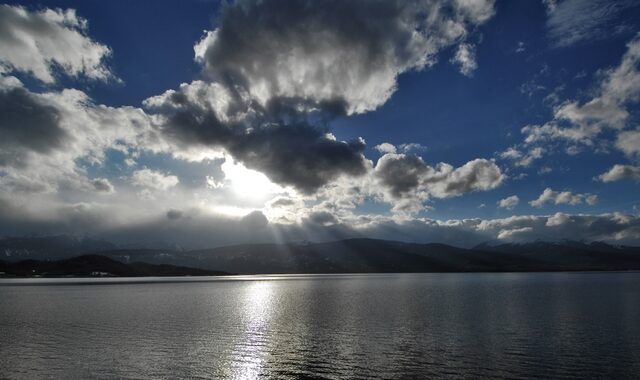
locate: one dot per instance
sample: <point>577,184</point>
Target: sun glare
<point>248,183</point>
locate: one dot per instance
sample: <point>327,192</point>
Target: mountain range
<point>345,256</point>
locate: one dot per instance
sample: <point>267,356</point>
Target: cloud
<point>629,143</point>
<point>153,179</point>
<point>583,124</point>
<point>289,152</point>
<point>412,148</point>
<point>571,22</point>
<point>103,185</point>
<point>521,159</point>
<point>465,57</point>
<point>42,42</point>
<point>174,214</point>
<point>385,148</point>
<point>352,51</point>
<point>323,218</point>
<point>197,228</point>
<point>48,138</point>
<point>621,172</point>
<point>408,178</point>
<point>276,73</point>
<point>28,124</point>
<point>509,202</point>
<point>563,197</point>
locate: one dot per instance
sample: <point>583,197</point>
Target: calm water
<point>346,326</point>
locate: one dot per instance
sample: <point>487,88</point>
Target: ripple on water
<point>395,326</point>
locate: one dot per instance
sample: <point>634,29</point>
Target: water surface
<point>560,325</point>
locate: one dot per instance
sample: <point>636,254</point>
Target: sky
<point>207,123</point>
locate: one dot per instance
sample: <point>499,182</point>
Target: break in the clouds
<point>296,120</point>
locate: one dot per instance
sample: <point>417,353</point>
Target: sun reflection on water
<point>251,351</point>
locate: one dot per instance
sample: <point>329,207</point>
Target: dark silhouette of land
<point>344,256</point>
<point>96,266</point>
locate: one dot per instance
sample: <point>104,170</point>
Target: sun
<point>247,183</point>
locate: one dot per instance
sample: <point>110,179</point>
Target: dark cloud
<point>323,218</point>
<point>400,173</point>
<point>174,214</point>
<point>277,72</point>
<point>255,220</point>
<point>409,176</point>
<point>103,185</point>
<point>278,142</point>
<point>27,125</point>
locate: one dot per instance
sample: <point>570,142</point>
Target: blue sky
<point>537,64</point>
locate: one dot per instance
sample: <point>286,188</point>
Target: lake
<point>391,326</point>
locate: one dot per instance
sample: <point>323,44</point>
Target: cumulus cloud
<point>275,73</point>
<point>385,148</point>
<point>40,42</point>
<point>351,51</point>
<point>563,197</point>
<point>28,124</point>
<point>151,179</point>
<point>289,152</point>
<point>621,172</point>
<point>509,202</point>
<point>629,142</point>
<point>45,137</point>
<point>408,178</point>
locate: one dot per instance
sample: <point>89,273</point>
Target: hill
<point>375,256</point>
<point>96,266</point>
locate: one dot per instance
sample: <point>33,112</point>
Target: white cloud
<point>411,147</point>
<point>583,124</point>
<point>318,56</point>
<point>629,143</point>
<point>465,57</point>
<point>621,172</point>
<point>38,42</point>
<point>153,179</point>
<point>47,139</point>
<point>509,202</point>
<point>521,159</point>
<point>385,148</point>
<point>563,197</point>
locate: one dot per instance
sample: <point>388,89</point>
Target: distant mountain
<point>95,266</point>
<point>370,255</point>
<point>49,247</point>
